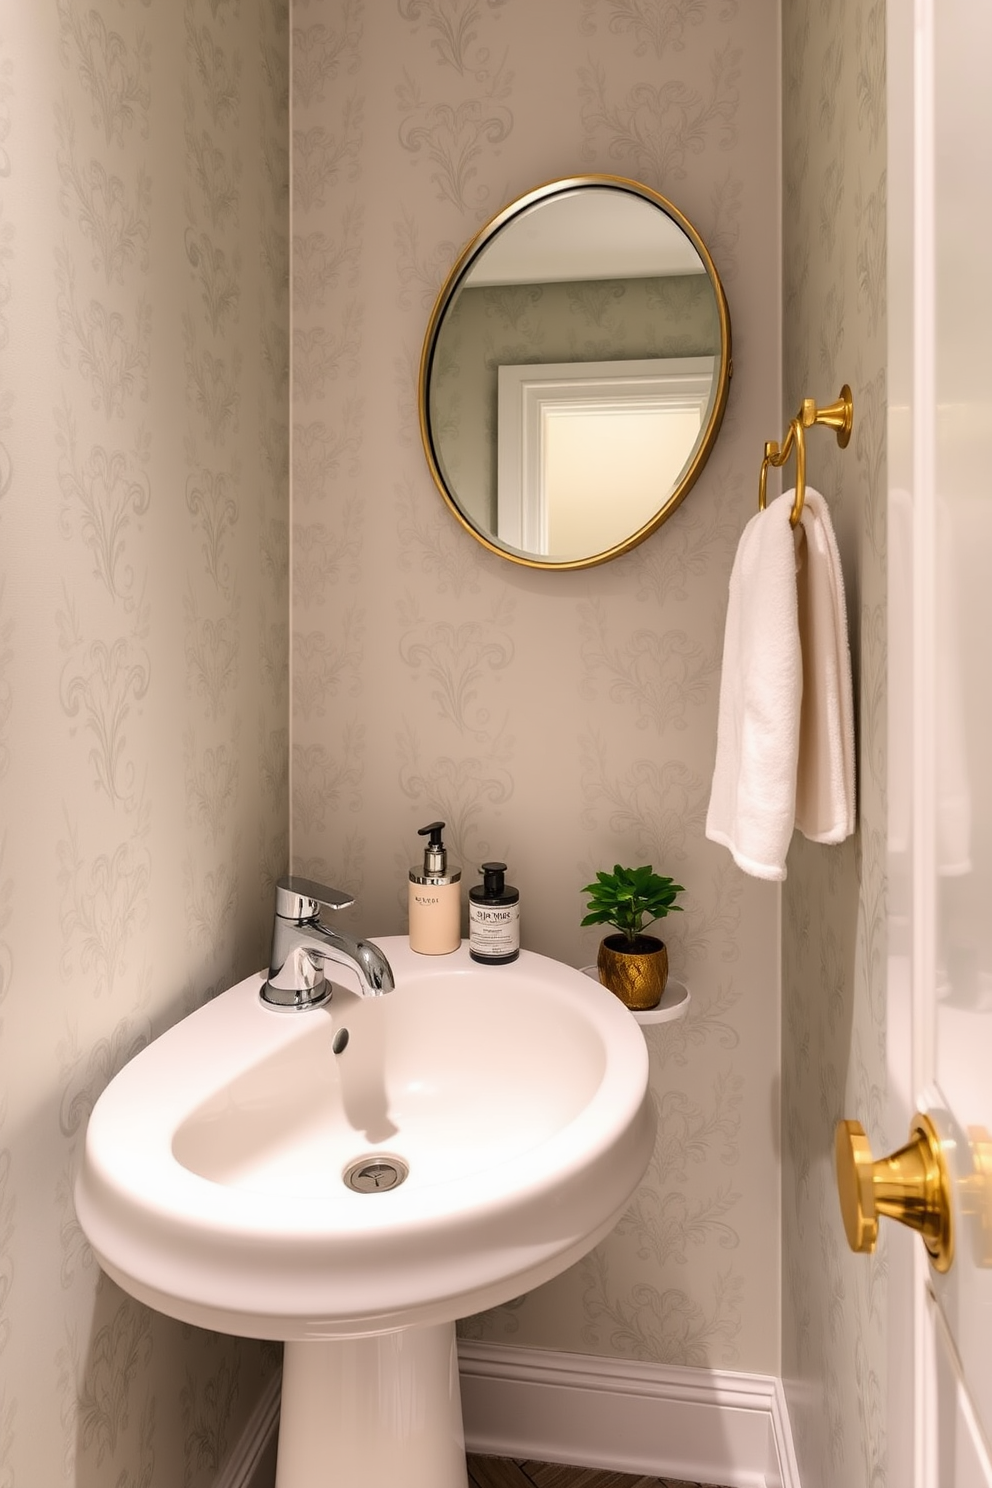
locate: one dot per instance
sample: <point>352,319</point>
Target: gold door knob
<point>912,1186</point>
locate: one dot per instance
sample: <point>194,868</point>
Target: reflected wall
<point>583,321</point>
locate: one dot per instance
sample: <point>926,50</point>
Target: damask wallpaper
<point>143,636</point>
<point>561,722</point>
<point>834,900</point>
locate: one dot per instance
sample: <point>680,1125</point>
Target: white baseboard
<point>704,1425</point>
<point>711,1426</point>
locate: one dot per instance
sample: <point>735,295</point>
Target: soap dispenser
<point>435,898</point>
<point>494,918</point>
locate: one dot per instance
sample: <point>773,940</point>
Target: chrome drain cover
<point>376,1173</point>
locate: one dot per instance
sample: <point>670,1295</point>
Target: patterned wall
<point>833,1056</point>
<point>143,740</point>
<point>559,721</point>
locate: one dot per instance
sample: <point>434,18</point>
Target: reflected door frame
<point>530,396</point>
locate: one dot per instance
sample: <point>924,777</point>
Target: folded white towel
<point>785,733</point>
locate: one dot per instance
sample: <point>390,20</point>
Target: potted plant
<point>631,963</point>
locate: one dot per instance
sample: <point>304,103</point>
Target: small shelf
<point>674,1003</point>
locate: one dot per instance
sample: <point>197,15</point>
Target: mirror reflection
<point>575,372</point>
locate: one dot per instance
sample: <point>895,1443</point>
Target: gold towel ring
<point>838,416</point>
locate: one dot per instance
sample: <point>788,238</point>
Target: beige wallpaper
<point>143,740</point>
<point>559,721</point>
<point>833,1030</point>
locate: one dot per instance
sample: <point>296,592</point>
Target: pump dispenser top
<point>435,898</point>
<point>435,853</point>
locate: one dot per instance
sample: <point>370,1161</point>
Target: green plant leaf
<point>630,899</point>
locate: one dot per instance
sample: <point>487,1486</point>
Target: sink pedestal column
<point>380,1412</point>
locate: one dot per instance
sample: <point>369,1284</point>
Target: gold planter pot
<point>637,977</point>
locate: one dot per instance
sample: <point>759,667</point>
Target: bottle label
<point>493,929</point>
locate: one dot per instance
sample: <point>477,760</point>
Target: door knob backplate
<point>912,1186</point>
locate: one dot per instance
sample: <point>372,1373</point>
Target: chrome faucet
<point>302,945</point>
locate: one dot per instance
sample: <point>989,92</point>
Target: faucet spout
<point>302,945</point>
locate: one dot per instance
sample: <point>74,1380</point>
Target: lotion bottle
<point>435,899</point>
<point>494,918</point>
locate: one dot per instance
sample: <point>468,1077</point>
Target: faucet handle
<point>302,899</point>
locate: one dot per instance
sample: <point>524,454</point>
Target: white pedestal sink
<point>514,1098</point>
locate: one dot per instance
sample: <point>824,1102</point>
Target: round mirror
<point>575,372</point>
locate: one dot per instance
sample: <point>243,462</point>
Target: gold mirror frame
<point>453,282</point>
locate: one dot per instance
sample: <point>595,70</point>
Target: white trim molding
<point>674,393</point>
<point>705,1425</point>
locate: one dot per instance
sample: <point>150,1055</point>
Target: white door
<point>940,721</point>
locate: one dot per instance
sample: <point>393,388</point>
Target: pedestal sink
<point>494,1122</point>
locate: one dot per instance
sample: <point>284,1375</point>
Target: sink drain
<point>375,1174</point>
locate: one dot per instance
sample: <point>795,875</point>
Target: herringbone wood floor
<point>500,1472</point>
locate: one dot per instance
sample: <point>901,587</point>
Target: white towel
<point>785,734</point>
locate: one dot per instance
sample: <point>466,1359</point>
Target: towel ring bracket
<point>838,416</point>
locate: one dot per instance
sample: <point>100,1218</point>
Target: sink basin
<point>513,1098</point>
